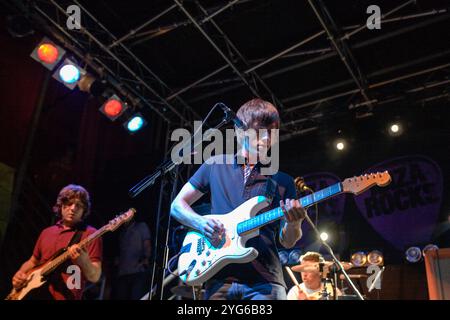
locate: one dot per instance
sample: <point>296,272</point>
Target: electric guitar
<point>37,276</point>
<point>200,259</point>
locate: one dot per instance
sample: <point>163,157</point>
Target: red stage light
<point>113,108</point>
<point>48,53</point>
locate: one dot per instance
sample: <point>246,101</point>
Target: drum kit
<point>329,277</point>
<point>315,267</point>
<point>187,292</point>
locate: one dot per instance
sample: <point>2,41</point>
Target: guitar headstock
<point>119,220</point>
<point>361,183</point>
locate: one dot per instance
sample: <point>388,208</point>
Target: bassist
<point>72,207</point>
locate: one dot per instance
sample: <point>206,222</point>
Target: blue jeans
<point>220,290</point>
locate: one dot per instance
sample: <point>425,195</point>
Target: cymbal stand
<point>197,292</point>
<point>325,295</point>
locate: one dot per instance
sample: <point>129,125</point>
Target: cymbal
<point>314,267</point>
<point>310,266</point>
<point>186,292</point>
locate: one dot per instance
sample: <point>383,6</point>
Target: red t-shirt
<point>49,242</point>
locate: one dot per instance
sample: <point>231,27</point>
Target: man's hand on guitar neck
<point>91,270</point>
<point>294,214</point>
<point>293,211</point>
<point>77,254</point>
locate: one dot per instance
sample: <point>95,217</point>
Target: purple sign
<point>330,211</point>
<point>406,211</point>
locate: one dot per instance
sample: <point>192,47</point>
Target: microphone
<point>231,116</point>
<point>300,184</point>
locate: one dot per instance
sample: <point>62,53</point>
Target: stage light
<point>429,247</point>
<point>135,123</point>
<point>91,85</point>
<point>19,26</point>
<point>375,257</point>
<point>113,108</point>
<point>86,82</point>
<point>413,254</point>
<point>284,257</point>
<point>359,259</point>
<point>48,53</point>
<point>68,73</point>
<point>340,145</point>
<point>294,256</point>
<point>395,129</point>
<point>324,236</point>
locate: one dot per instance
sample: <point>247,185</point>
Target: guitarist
<point>72,207</point>
<point>230,184</point>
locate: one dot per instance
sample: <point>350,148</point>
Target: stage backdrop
<point>404,213</point>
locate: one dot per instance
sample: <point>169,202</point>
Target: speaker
<point>437,265</point>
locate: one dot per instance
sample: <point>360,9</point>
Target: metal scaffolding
<point>111,57</point>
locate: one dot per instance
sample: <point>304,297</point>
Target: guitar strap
<point>271,188</point>
<point>75,238</point>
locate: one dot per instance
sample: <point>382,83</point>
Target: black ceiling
<point>404,62</point>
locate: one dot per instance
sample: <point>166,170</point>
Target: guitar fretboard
<point>275,214</point>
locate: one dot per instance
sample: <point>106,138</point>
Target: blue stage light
<point>69,73</point>
<point>135,123</point>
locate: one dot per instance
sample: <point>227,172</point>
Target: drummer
<point>311,287</point>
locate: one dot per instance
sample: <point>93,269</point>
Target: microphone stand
<point>166,166</point>
<point>150,180</point>
<point>323,280</point>
<point>338,263</point>
<point>306,188</point>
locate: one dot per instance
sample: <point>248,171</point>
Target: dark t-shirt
<point>132,249</point>
<point>225,182</point>
<point>55,238</point>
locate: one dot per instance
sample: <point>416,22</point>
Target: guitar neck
<point>52,265</point>
<point>276,214</point>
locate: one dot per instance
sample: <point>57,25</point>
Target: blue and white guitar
<point>200,259</point>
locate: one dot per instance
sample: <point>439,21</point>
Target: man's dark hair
<point>258,114</point>
<point>70,193</point>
